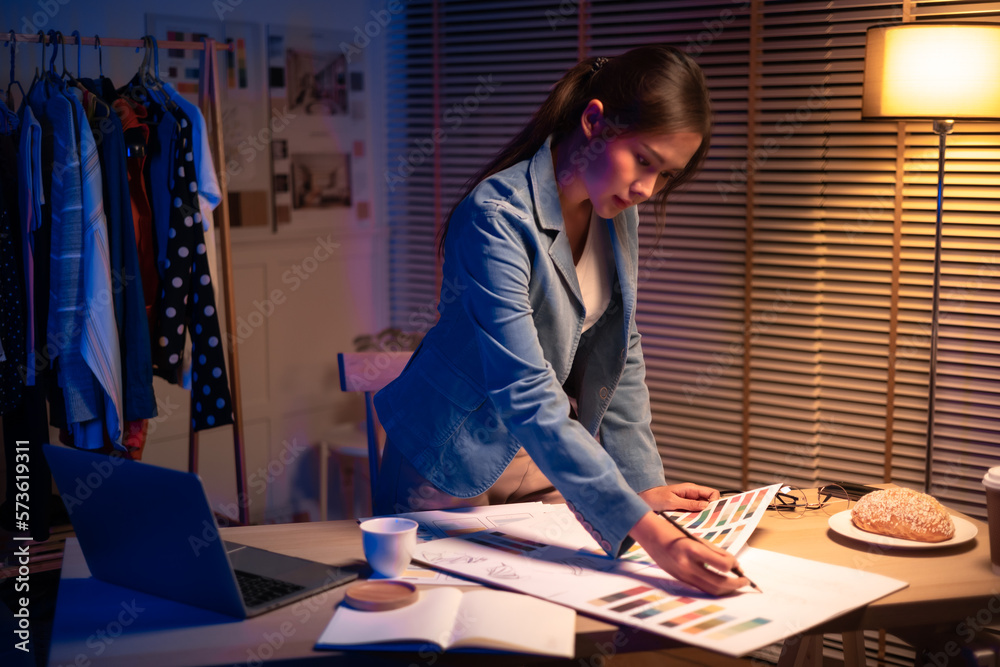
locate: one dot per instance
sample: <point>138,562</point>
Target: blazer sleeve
<point>493,260</point>
<point>625,430</point>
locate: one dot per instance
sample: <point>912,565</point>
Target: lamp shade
<point>932,71</point>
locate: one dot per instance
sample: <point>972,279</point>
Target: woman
<point>531,385</point>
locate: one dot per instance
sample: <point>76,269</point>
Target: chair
<point>365,372</point>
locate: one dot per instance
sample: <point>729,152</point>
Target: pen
<point>735,569</point>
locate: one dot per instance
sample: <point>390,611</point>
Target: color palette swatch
<point>656,610</point>
<point>691,616</point>
<point>621,595</point>
<point>506,543</point>
<point>709,624</point>
<point>640,602</point>
<point>738,628</point>
<point>645,603</point>
<point>458,527</point>
<point>727,522</point>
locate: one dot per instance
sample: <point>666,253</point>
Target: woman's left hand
<point>686,496</point>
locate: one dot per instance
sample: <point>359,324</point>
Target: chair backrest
<point>368,372</point>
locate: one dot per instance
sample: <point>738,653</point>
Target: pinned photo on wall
<point>236,61</point>
<point>322,154</point>
<point>316,82</point>
<point>183,66</point>
<point>321,180</point>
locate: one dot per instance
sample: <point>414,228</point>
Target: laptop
<point>152,529</point>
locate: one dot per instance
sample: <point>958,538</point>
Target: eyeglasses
<point>792,503</point>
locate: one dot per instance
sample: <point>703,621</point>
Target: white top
<point>593,271</point>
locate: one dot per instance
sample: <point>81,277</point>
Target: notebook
<point>152,529</point>
<point>448,619</point>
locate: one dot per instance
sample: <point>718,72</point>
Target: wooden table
<point>101,624</point>
<point>947,585</point>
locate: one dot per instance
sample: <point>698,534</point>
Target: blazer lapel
<point>546,196</point>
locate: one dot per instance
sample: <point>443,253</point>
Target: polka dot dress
<point>187,302</point>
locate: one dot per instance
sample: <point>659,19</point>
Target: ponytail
<point>654,88</point>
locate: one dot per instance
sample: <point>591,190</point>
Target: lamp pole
<point>942,128</point>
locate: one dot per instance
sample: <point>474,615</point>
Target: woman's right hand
<point>702,565</point>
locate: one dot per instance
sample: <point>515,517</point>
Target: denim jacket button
<point>624,353</point>
<point>604,393</point>
<point>606,545</point>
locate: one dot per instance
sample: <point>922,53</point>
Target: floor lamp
<point>939,72</point>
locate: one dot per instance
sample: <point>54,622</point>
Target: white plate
<point>841,523</point>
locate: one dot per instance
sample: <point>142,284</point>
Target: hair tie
<point>598,64</point>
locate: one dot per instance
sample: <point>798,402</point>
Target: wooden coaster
<point>381,595</point>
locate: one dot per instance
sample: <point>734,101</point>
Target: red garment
<point>131,114</point>
<point>134,438</point>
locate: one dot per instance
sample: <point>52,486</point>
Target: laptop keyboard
<point>258,589</point>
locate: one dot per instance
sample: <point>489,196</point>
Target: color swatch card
<point>727,522</point>
<point>553,557</point>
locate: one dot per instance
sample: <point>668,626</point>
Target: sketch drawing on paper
<point>502,571</point>
<point>580,566</point>
<point>453,558</point>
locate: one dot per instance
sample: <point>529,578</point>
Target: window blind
<point>785,306</point>
<point>497,61</point>
<point>409,169</point>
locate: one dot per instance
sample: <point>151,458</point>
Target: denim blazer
<point>492,375</point>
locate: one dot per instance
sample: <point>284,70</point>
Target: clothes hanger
<point>66,75</point>
<point>109,91</point>
<point>13,79</point>
<point>75,82</point>
<point>53,35</point>
<point>146,54</point>
<point>135,90</point>
<point>8,119</point>
<point>153,81</point>
<point>79,48</point>
<point>38,73</point>
<point>107,88</point>
<point>100,55</point>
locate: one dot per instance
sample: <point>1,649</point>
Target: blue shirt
<point>139,401</point>
<point>492,375</point>
<point>99,340</point>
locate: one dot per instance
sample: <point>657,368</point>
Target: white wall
<point>288,366</point>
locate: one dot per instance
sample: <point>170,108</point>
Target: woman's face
<point>623,170</point>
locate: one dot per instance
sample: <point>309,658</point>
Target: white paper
<point>446,618</point>
<point>553,557</point>
<point>427,621</point>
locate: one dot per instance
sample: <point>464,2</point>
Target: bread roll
<point>903,513</point>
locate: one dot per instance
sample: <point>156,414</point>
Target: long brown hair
<point>654,89</point>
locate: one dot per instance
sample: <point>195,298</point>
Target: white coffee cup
<point>991,480</point>
<point>389,543</point>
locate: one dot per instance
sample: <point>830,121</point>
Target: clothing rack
<point>213,117</point>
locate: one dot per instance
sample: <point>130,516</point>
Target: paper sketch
<point>502,571</point>
<point>638,593</point>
